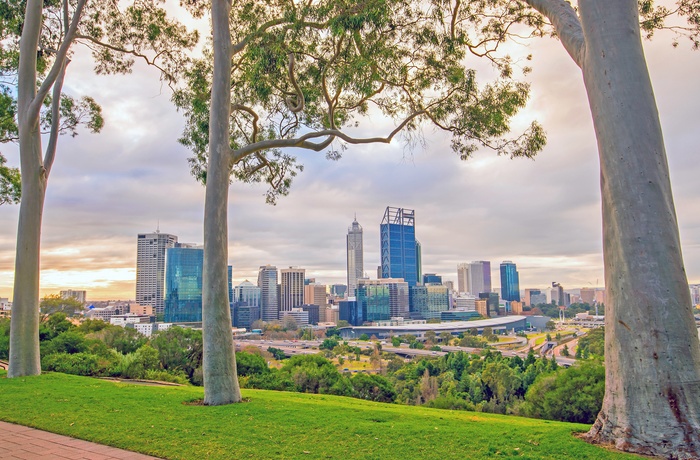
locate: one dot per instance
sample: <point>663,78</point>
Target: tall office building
<point>183,284</point>
<point>269,300</point>
<point>398,245</point>
<point>247,293</point>
<point>150,268</point>
<point>356,267</point>
<point>419,262</point>
<point>510,281</point>
<point>463,278</point>
<point>479,277</point>
<point>427,302</point>
<point>315,294</point>
<point>383,299</point>
<point>291,289</point>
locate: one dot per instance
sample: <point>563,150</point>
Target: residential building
<point>80,296</point>
<point>183,284</point>
<point>269,300</point>
<point>150,268</point>
<point>463,279</point>
<point>398,245</point>
<point>510,281</point>
<point>291,288</point>
<point>355,257</point>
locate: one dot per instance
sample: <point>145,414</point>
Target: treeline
<point>487,382</point>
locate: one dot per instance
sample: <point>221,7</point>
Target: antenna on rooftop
<point>158,226</point>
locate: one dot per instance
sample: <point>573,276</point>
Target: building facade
<point>383,299</point>
<point>463,279</point>
<point>355,256</point>
<point>80,296</point>
<point>510,281</point>
<point>183,284</point>
<point>150,268</point>
<point>269,301</point>
<point>247,293</point>
<point>428,301</point>
<point>291,288</point>
<point>398,245</point>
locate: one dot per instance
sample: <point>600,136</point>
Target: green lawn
<point>155,421</point>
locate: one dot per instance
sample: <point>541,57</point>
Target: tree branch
<point>304,141</point>
<point>566,23</point>
<point>59,64</point>
<point>50,154</point>
<point>251,112</point>
<point>298,105</point>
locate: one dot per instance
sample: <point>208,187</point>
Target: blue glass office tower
<point>398,245</point>
<point>183,284</point>
<point>510,282</point>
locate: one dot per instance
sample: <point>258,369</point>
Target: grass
<point>156,421</point>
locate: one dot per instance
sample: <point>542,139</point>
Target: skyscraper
<point>463,278</point>
<point>479,277</point>
<point>247,293</point>
<point>383,299</point>
<point>398,245</point>
<point>183,284</point>
<point>355,256</point>
<point>150,268</point>
<point>510,281</point>
<point>291,289</point>
<point>269,301</point>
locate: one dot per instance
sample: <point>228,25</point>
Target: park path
<point>24,443</point>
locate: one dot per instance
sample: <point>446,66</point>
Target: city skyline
<point>544,215</point>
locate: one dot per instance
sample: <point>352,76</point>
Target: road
<point>310,347</point>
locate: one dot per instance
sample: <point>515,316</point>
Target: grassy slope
<point>155,421</point>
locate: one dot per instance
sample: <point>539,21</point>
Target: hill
<point>167,422</point>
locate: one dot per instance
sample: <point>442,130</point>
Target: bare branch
<point>298,105</point>
<point>59,63</point>
<point>50,154</point>
<point>252,113</point>
<point>566,23</point>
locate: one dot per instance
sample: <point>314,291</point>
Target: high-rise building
<point>419,261</point>
<point>587,295</point>
<point>398,245</point>
<point>150,268</point>
<point>339,290</point>
<point>269,300</point>
<point>247,293</point>
<point>383,299</point>
<point>291,288</point>
<point>77,295</point>
<point>356,267</point>
<point>529,293</point>
<point>479,277</point>
<point>463,279</point>
<point>510,281</point>
<point>426,302</point>
<point>315,294</point>
<point>183,284</point>
<point>432,278</point>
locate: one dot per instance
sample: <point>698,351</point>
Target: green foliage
<point>248,364</point>
<point>54,303</point>
<point>592,344</point>
<point>124,340</point>
<point>4,338</point>
<point>315,374</point>
<point>88,326</point>
<point>373,387</point>
<point>574,394</point>
<point>77,363</point>
<point>328,344</point>
<point>276,353</point>
<point>179,349</point>
<point>332,332</point>
<point>53,326</point>
<point>364,337</point>
<point>303,74</point>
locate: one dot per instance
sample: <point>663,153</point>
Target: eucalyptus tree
<point>652,355</point>
<point>286,76</point>
<point>37,51</point>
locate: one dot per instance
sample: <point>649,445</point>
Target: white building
<point>291,288</point>
<point>247,293</point>
<point>301,316</point>
<point>150,268</point>
<point>355,257</point>
<point>465,302</point>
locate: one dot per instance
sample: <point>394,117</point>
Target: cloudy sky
<point>544,215</point>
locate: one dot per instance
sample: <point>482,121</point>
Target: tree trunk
<point>219,366</point>
<point>652,355</point>
<point>24,325</point>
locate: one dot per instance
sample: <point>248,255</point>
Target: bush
<point>165,376</point>
<point>373,388</point>
<point>249,364</point>
<point>76,364</point>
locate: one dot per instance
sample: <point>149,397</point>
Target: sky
<point>542,214</point>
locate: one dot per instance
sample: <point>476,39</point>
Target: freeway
<point>307,347</point>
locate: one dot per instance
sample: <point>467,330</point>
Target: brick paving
<point>24,443</point>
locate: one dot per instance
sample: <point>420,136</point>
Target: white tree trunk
<point>24,325</point>
<point>652,354</point>
<point>219,360</point>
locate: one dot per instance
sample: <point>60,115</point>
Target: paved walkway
<point>23,443</point>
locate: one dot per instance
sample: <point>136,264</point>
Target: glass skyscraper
<point>510,281</point>
<point>427,302</point>
<point>269,300</point>
<point>183,284</point>
<point>398,245</point>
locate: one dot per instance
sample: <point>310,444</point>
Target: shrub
<point>165,376</point>
<point>76,364</point>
